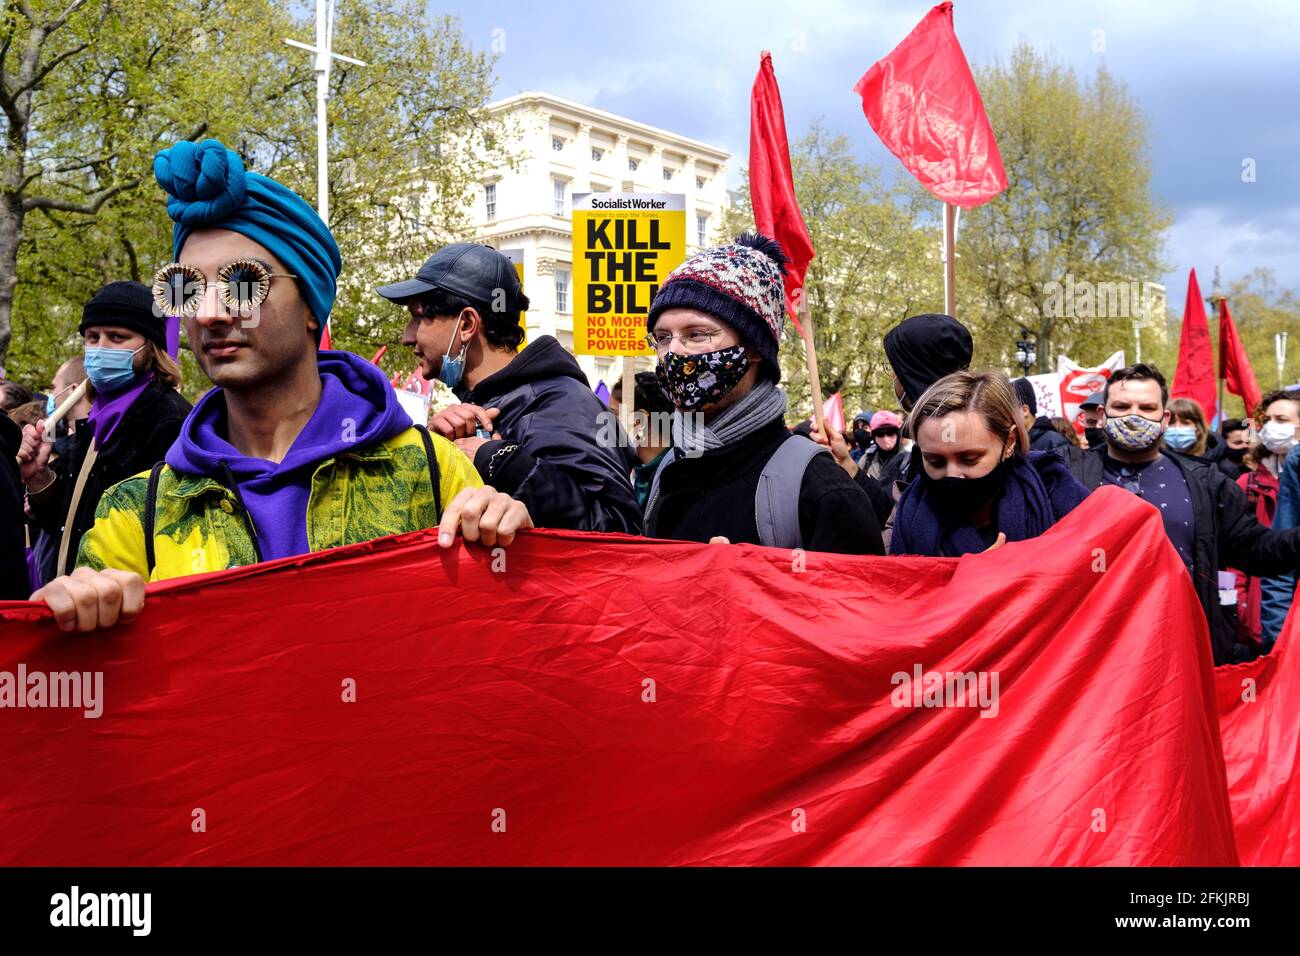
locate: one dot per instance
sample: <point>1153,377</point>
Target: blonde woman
<point>980,485</point>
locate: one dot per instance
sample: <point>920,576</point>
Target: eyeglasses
<point>885,433</point>
<point>696,340</point>
<point>242,285</point>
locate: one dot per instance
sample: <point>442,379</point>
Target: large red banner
<point>1260,722</point>
<point>595,699</point>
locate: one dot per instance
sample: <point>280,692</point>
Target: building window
<point>699,182</point>
<point>701,229</point>
<point>561,290</point>
<point>668,174</point>
<point>559,197</point>
<point>632,164</point>
<point>490,200</point>
<point>557,143</point>
<point>597,155</point>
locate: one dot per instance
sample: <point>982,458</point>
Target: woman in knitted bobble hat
<point>715,326</point>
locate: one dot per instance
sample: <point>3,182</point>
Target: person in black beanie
<point>135,415</point>
<point>1043,435</point>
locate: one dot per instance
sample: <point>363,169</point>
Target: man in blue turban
<point>295,450</point>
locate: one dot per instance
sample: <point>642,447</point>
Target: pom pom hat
<point>208,188</point>
<point>741,284</point>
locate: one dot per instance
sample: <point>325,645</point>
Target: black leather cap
<point>466,269</point>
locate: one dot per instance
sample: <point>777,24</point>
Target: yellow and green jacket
<point>200,526</point>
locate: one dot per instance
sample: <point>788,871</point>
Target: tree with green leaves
<point>1077,213</point>
<point>877,262</point>
<point>93,89</point>
<point>410,140</point>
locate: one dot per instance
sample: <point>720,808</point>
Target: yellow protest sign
<point>516,257</point>
<point>624,246</point>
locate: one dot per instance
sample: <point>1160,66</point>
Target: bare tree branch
<point>62,18</point>
<point>88,208</point>
<point>44,71</point>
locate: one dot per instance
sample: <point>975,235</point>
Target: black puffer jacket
<point>1227,535</point>
<point>561,452</point>
<point>13,548</point>
<point>141,438</point>
<point>713,494</point>
<point>1044,437</point>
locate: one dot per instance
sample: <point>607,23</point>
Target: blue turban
<point>208,188</point>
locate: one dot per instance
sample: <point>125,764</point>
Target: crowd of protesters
<point>296,450</point>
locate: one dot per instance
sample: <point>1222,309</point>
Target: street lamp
<point>1026,351</point>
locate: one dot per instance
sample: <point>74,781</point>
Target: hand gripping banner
<point>596,699</point>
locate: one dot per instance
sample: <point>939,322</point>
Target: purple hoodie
<point>358,408</point>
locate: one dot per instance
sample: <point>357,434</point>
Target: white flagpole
<point>324,56</point>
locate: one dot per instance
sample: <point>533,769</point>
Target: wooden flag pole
<point>627,405</point>
<point>949,259</point>
<point>1223,412</point>
<point>810,351</point>
<point>61,412</point>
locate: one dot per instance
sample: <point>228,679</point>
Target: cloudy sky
<point>1219,82</point>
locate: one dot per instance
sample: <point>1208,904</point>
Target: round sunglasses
<point>242,285</point>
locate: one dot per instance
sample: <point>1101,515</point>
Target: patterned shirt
<point>1161,483</point>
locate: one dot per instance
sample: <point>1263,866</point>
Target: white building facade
<point>567,148</point>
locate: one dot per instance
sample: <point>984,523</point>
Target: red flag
<point>1194,376</point>
<point>1234,365</point>
<point>922,102</point>
<point>971,712</point>
<point>771,183</point>
<point>326,340</point>
<point>1260,725</point>
<point>833,412</point>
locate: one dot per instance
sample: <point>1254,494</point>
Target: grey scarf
<point>761,404</point>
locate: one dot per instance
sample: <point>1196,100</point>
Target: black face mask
<point>862,437</point>
<point>1236,454</point>
<point>1096,437</point>
<point>958,498</point>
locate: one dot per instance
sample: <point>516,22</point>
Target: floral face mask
<point>693,381</point>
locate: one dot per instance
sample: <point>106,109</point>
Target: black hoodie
<point>561,451</point>
<point>924,348</point>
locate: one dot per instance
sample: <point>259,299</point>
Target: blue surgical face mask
<point>109,369</point>
<point>452,370</point>
<point>52,400</point>
<point>1180,437</point>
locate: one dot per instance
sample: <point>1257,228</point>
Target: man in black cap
<point>528,420</point>
<point>1091,408</point>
